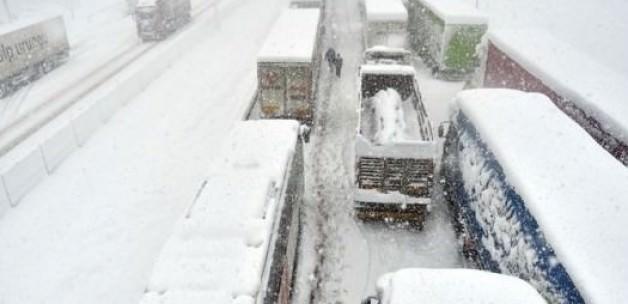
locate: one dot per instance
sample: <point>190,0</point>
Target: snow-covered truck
<point>445,34</point>
<point>386,23</point>
<point>395,148</point>
<point>287,66</point>
<point>591,94</point>
<point>30,49</point>
<point>536,197</point>
<point>156,19</point>
<point>238,240</point>
<point>452,286</point>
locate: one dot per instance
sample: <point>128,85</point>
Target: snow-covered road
<point>352,255</point>
<point>90,232</point>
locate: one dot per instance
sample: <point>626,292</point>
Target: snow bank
<point>572,188</point>
<point>385,10</point>
<point>293,37</point>
<point>449,286</point>
<point>220,250</point>
<point>597,90</point>
<point>455,12</point>
<point>389,117</point>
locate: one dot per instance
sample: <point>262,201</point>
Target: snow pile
<point>455,12</point>
<point>571,187</point>
<point>389,117</point>
<point>385,10</point>
<point>596,89</point>
<point>449,286</point>
<point>218,252</point>
<point>293,37</point>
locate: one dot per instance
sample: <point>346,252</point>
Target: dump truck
<point>29,49</point>
<point>156,19</point>
<point>395,147</point>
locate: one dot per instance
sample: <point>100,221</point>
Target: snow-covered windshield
<point>313,151</point>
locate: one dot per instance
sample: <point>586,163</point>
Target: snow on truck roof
<point>575,190</point>
<point>23,23</point>
<point>217,252</point>
<point>596,89</point>
<point>453,286</point>
<point>292,38</point>
<point>387,69</point>
<point>455,11</point>
<point>385,10</point>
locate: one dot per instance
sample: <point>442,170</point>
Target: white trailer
<point>238,240</point>
<point>386,23</point>
<point>287,66</point>
<point>30,49</point>
<point>395,148</point>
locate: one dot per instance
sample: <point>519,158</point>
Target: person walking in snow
<point>338,62</point>
<point>330,56</point>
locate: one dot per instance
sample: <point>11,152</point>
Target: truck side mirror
<point>443,128</point>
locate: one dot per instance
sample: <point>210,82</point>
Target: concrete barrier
<point>58,147</point>
<point>25,173</point>
<point>5,204</point>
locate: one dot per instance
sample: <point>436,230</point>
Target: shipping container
<point>445,34</point>
<point>535,61</point>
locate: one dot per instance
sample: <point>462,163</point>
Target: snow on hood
<point>453,286</point>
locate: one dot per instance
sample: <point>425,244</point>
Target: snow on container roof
<point>293,37</point>
<point>453,286</point>
<point>385,10</point>
<point>141,3</point>
<point>455,11</point>
<point>218,250</point>
<point>23,23</point>
<point>597,90</point>
<point>387,69</point>
<point>575,190</point>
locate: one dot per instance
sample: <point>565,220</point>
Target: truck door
<point>298,81</point>
<point>272,83</point>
